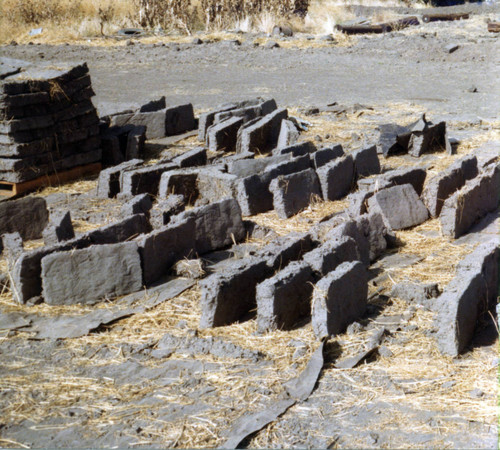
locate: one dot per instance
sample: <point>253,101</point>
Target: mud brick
<point>108,183</point>
<point>25,275</point>
<point>294,192</point>
<point>214,185</point>
<point>164,210</point>
<point>91,274</point>
<point>154,105</point>
<point>336,178</point>
<point>28,216</point>
<point>216,226</point>
<point>253,192</point>
<point>289,134</point>
<point>144,180</point>
<point>73,111</point>
<point>24,99</point>
<point>222,135</point>
<point>261,136</point>
<point>247,167</point>
<point>67,136</point>
<point>466,298</point>
<point>182,182</point>
<point>325,155</point>
<point>192,158</point>
<point>153,121</point>
<point>285,249</point>
<point>140,204</point>
<point>31,123</point>
<point>59,229</point>
<point>249,112</point>
<point>304,148</point>
<point>400,206</point>
<point>162,248</point>
<point>339,299</point>
<point>474,200</point>
<point>136,141</point>
<point>22,112</point>
<point>285,299</point>
<point>179,119</point>
<point>228,296</point>
<point>26,149</point>
<point>21,137</point>
<point>443,185</point>
<point>121,231</point>
<point>366,161</point>
<point>414,176</point>
<point>331,254</point>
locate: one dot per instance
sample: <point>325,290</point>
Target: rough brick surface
<point>444,184</point>
<point>339,299</point>
<point>400,206</point>
<point>164,210</point>
<point>414,176</point>
<point>289,134</point>
<point>228,296</point>
<point>59,229</point>
<point>108,183</point>
<point>180,182</point>
<point>331,254</point>
<point>144,180</point>
<point>214,185</point>
<point>285,299</point>
<point>140,204</point>
<point>294,192</point>
<point>466,298</point>
<point>223,135</point>
<point>28,216</point>
<point>336,178</point>
<point>473,201</point>
<point>247,167</point>
<point>366,161</point>
<point>91,274</point>
<point>324,155</point>
<point>261,136</point>
<point>192,158</point>
<point>282,250</point>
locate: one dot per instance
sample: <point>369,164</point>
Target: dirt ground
<point>152,379</point>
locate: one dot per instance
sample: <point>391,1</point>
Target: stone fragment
<point>226,297</point>
<point>400,207</point>
<point>444,184</point>
<point>414,176</point>
<point>366,161</point>
<point>421,293</point>
<point>59,229</point>
<point>339,299</point>
<point>331,254</point>
<point>164,210</point>
<point>12,247</point>
<point>294,192</point>
<point>473,201</point>
<point>336,178</point>
<point>28,216</point>
<point>285,299</point>
<point>222,136</point>
<point>91,274</point>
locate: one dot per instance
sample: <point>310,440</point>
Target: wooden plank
<point>444,17</point>
<point>8,189</point>
<point>494,27</point>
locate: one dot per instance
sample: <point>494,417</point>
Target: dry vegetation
<point>69,20</point>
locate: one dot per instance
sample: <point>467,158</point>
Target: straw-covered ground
<point>153,379</point>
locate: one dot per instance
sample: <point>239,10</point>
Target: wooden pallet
<point>8,189</point>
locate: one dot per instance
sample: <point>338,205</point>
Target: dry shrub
<point>167,14</point>
<point>33,12</point>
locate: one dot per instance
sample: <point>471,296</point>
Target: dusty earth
<point>152,379</point>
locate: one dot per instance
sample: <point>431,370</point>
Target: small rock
<point>130,42</point>
<point>354,328</point>
<point>385,352</point>
<point>318,138</point>
<point>472,89</point>
<point>476,393</point>
<point>272,44</point>
<point>448,384</point>
<point>451,48</point>
<point>196,41</point>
